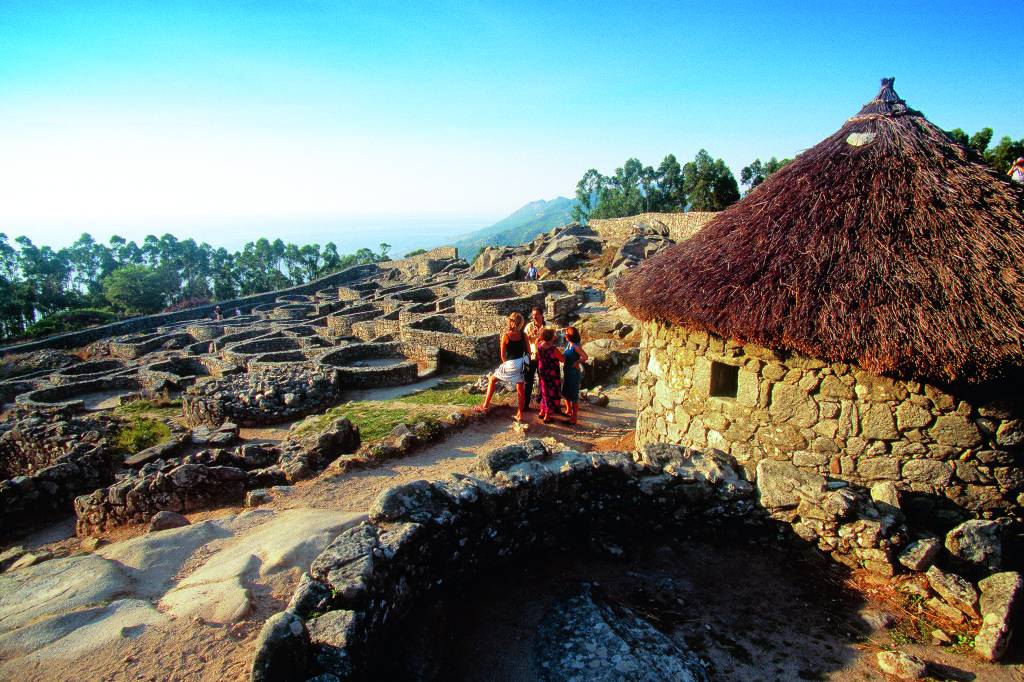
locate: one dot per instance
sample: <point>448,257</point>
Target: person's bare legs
<point>490,394</point>
<point>521,395</point>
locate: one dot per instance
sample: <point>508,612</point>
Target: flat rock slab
<point>58,586</point>
<point>217,591</point>
<point>583,638</point>
<point>77,633</point>
<point>153,560</point>
<point>68,607</point>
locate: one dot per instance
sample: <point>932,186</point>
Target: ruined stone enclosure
<point>286,356</point>
<point>958,452</point>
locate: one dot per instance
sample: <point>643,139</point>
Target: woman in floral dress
<point>549,374</point>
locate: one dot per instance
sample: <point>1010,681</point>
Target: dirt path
<point>599,428</point>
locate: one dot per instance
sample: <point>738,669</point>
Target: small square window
<point>724,380</point>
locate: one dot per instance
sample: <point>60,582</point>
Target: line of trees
<point>707,183</point>
<point>1000,157</point>
<point>704,184</point>
<point>122,277</point>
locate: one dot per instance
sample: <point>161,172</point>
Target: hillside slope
<point>521,226</point>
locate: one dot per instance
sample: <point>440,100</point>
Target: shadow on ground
<point>748,609</point>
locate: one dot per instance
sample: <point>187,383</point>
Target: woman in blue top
<point>572,373</point>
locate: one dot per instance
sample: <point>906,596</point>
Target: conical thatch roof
<point>887,244</point>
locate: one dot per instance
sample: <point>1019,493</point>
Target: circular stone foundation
<point>86,371</point>
<point>503,299</point>
<point>372,365</point>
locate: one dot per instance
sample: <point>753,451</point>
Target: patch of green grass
<point>140,433</point>
<point>149,408</point>
<point>963,644</point>
<point>449,392</point>
<point>375,419</point>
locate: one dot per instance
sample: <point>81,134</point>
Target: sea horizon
<point>349,233</point>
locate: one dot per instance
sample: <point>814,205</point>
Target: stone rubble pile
<point>46,460</point>
<point>211,478</point>
<point>48,493</point>
<point>269,396</point>
<point>867,529</point>
<point>36,441</point>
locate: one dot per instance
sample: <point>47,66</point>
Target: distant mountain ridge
<point>520,227</point>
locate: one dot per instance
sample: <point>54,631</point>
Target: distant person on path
<point>1016,172</point>
<point>533,330</point>
<point>574,356</point>
<point>216,313</point>
<point>513,357</point>
<point>531,272</point>
<point>238,312</point>
<point>548,357</point>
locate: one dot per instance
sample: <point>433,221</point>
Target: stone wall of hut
<point>953,456</point>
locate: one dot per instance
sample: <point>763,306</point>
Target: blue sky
<point>136,117</point>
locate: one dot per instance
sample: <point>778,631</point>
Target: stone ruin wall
<point>833,419</point>
<point>417,265</point>
<point>681,226</point>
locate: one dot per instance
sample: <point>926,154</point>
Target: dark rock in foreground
<point>584,638</point>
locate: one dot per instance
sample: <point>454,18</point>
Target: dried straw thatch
<point>887,244</point>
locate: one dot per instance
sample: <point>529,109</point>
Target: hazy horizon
<point>403,233</point>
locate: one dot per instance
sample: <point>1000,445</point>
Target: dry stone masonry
<point>954,453</point>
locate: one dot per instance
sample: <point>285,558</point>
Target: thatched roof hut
<point>887,245</point>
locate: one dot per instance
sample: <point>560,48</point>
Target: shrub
<point>69,321</point>
<point>140,433</point>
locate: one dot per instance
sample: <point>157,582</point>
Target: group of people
<point>217,315</point>
<point>535,353</point>
<point>1016,171</point>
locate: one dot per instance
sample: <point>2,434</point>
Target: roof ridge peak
<point>887,101</point>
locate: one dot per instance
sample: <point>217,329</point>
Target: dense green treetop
<point>704,184</point>
<point>1000,157</point>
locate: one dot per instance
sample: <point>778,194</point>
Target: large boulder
<point>977,542</point>
<point>1000,594</point>
<point>282,650</point>
<point>781,485</point>
<point>606,361</point>
<point>639,247</point>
